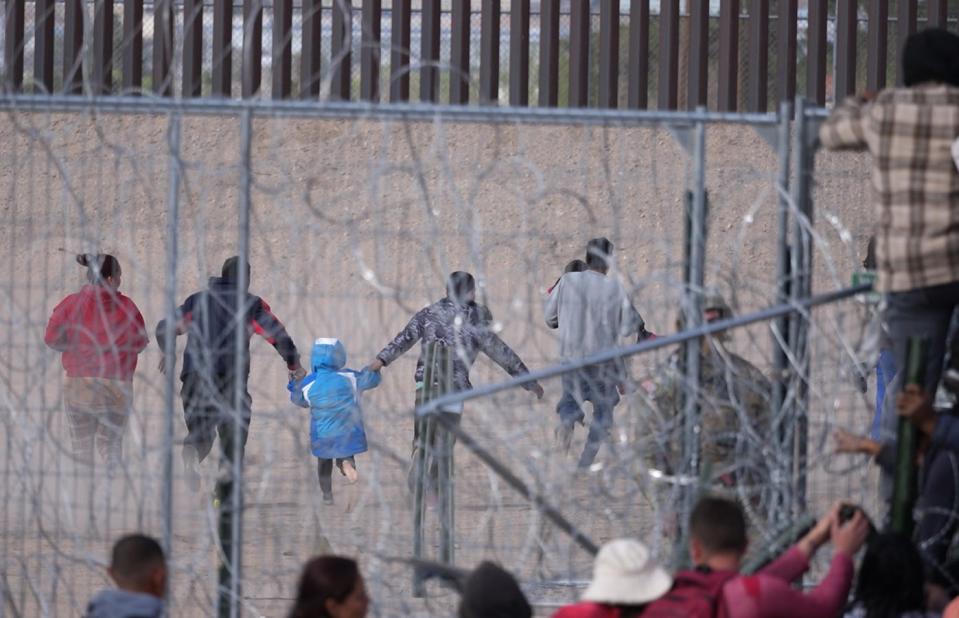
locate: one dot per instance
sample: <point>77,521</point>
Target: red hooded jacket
<point>100,332</point>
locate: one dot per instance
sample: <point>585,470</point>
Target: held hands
<point>376,365</point>
<point>297,374</point>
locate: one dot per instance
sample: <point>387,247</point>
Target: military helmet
<point>716,302</point>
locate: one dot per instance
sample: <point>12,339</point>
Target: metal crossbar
<point>394,111</point>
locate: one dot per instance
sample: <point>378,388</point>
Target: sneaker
<point>349,471</point>
<point>564,435</point>
<point>328,499</point>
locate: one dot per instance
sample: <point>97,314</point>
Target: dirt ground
<point>354,224</point>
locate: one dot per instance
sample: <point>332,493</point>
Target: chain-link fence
<point>352,220</point>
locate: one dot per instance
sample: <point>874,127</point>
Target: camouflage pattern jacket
<point>734,401</point>
<point>465,329</point>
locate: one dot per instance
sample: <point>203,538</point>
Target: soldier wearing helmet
<point>733,398</point>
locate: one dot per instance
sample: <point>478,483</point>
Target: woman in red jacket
<point>100,332</point>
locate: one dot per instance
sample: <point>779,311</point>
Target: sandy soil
<point>354,225</point>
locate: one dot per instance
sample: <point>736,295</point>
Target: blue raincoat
<point>332,394</point>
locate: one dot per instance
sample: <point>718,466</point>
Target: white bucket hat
<point>624,574</point>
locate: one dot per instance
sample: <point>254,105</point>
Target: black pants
<point>209,410</point>
<point>324,472</point>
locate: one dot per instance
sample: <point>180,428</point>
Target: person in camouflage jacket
<point>458,322</point>
<point>734,401</point>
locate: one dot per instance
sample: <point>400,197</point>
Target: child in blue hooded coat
<point>336,423</point>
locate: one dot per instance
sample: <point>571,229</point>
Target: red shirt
<point>770,593</point>
<point>100,332</point>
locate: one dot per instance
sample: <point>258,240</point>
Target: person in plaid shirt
<point>909,132</point>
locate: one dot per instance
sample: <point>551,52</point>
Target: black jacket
<point>210,320</point>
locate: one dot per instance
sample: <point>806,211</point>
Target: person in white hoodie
<point>593,313</point>
<point>138,566</point>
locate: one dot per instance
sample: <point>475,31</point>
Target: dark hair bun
<point>85,259</point>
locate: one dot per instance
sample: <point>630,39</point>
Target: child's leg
<point>348,469</point>
<point>324,473</point>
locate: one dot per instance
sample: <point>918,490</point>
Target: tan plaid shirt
<point>909,132</point>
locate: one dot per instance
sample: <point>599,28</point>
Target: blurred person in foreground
<point>492,592</point>
<point>625,580</point>
<point>890,582</point>
<point>938,502</point>
<point>909,132</point>
<point>331,587</point>
<point>99,332</point>
<point>592,313</point>
<point>138,567</point>
<point>718,543</point>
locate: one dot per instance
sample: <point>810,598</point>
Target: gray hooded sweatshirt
<point>116,603</point>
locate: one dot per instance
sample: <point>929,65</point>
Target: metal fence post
<point>800,289</point>
<point>231,491</point>
<point>692,316</point>
<point>781,326</point>
<point>169,335</point>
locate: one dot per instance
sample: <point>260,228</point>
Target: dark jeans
<point>208,410</point>
<point>925,312</point>
<point>324,472</point>
<point>430,430</point>
<point>596,384</point>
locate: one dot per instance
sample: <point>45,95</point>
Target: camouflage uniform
<point>734,401</point>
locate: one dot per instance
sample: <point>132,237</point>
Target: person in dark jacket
<point>491,592</point>
<point>211,365</point>
<point>138,567</point>
<point>460,323</point>
<point>100,332</point>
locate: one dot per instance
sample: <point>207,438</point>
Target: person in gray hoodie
<point>593,313</point>
<point>138,567</point>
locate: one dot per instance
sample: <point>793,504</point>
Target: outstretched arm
<point>367,379</point>
<point>403,341</point>
<point>270,328</point>
<point>845,127</point>
<point>505,357</point>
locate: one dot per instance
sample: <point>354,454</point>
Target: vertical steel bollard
<point>230,491</point>
<point>800,289</point>
<point>781,326</point>
<point>905,486</point>
<point>694,270</point>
